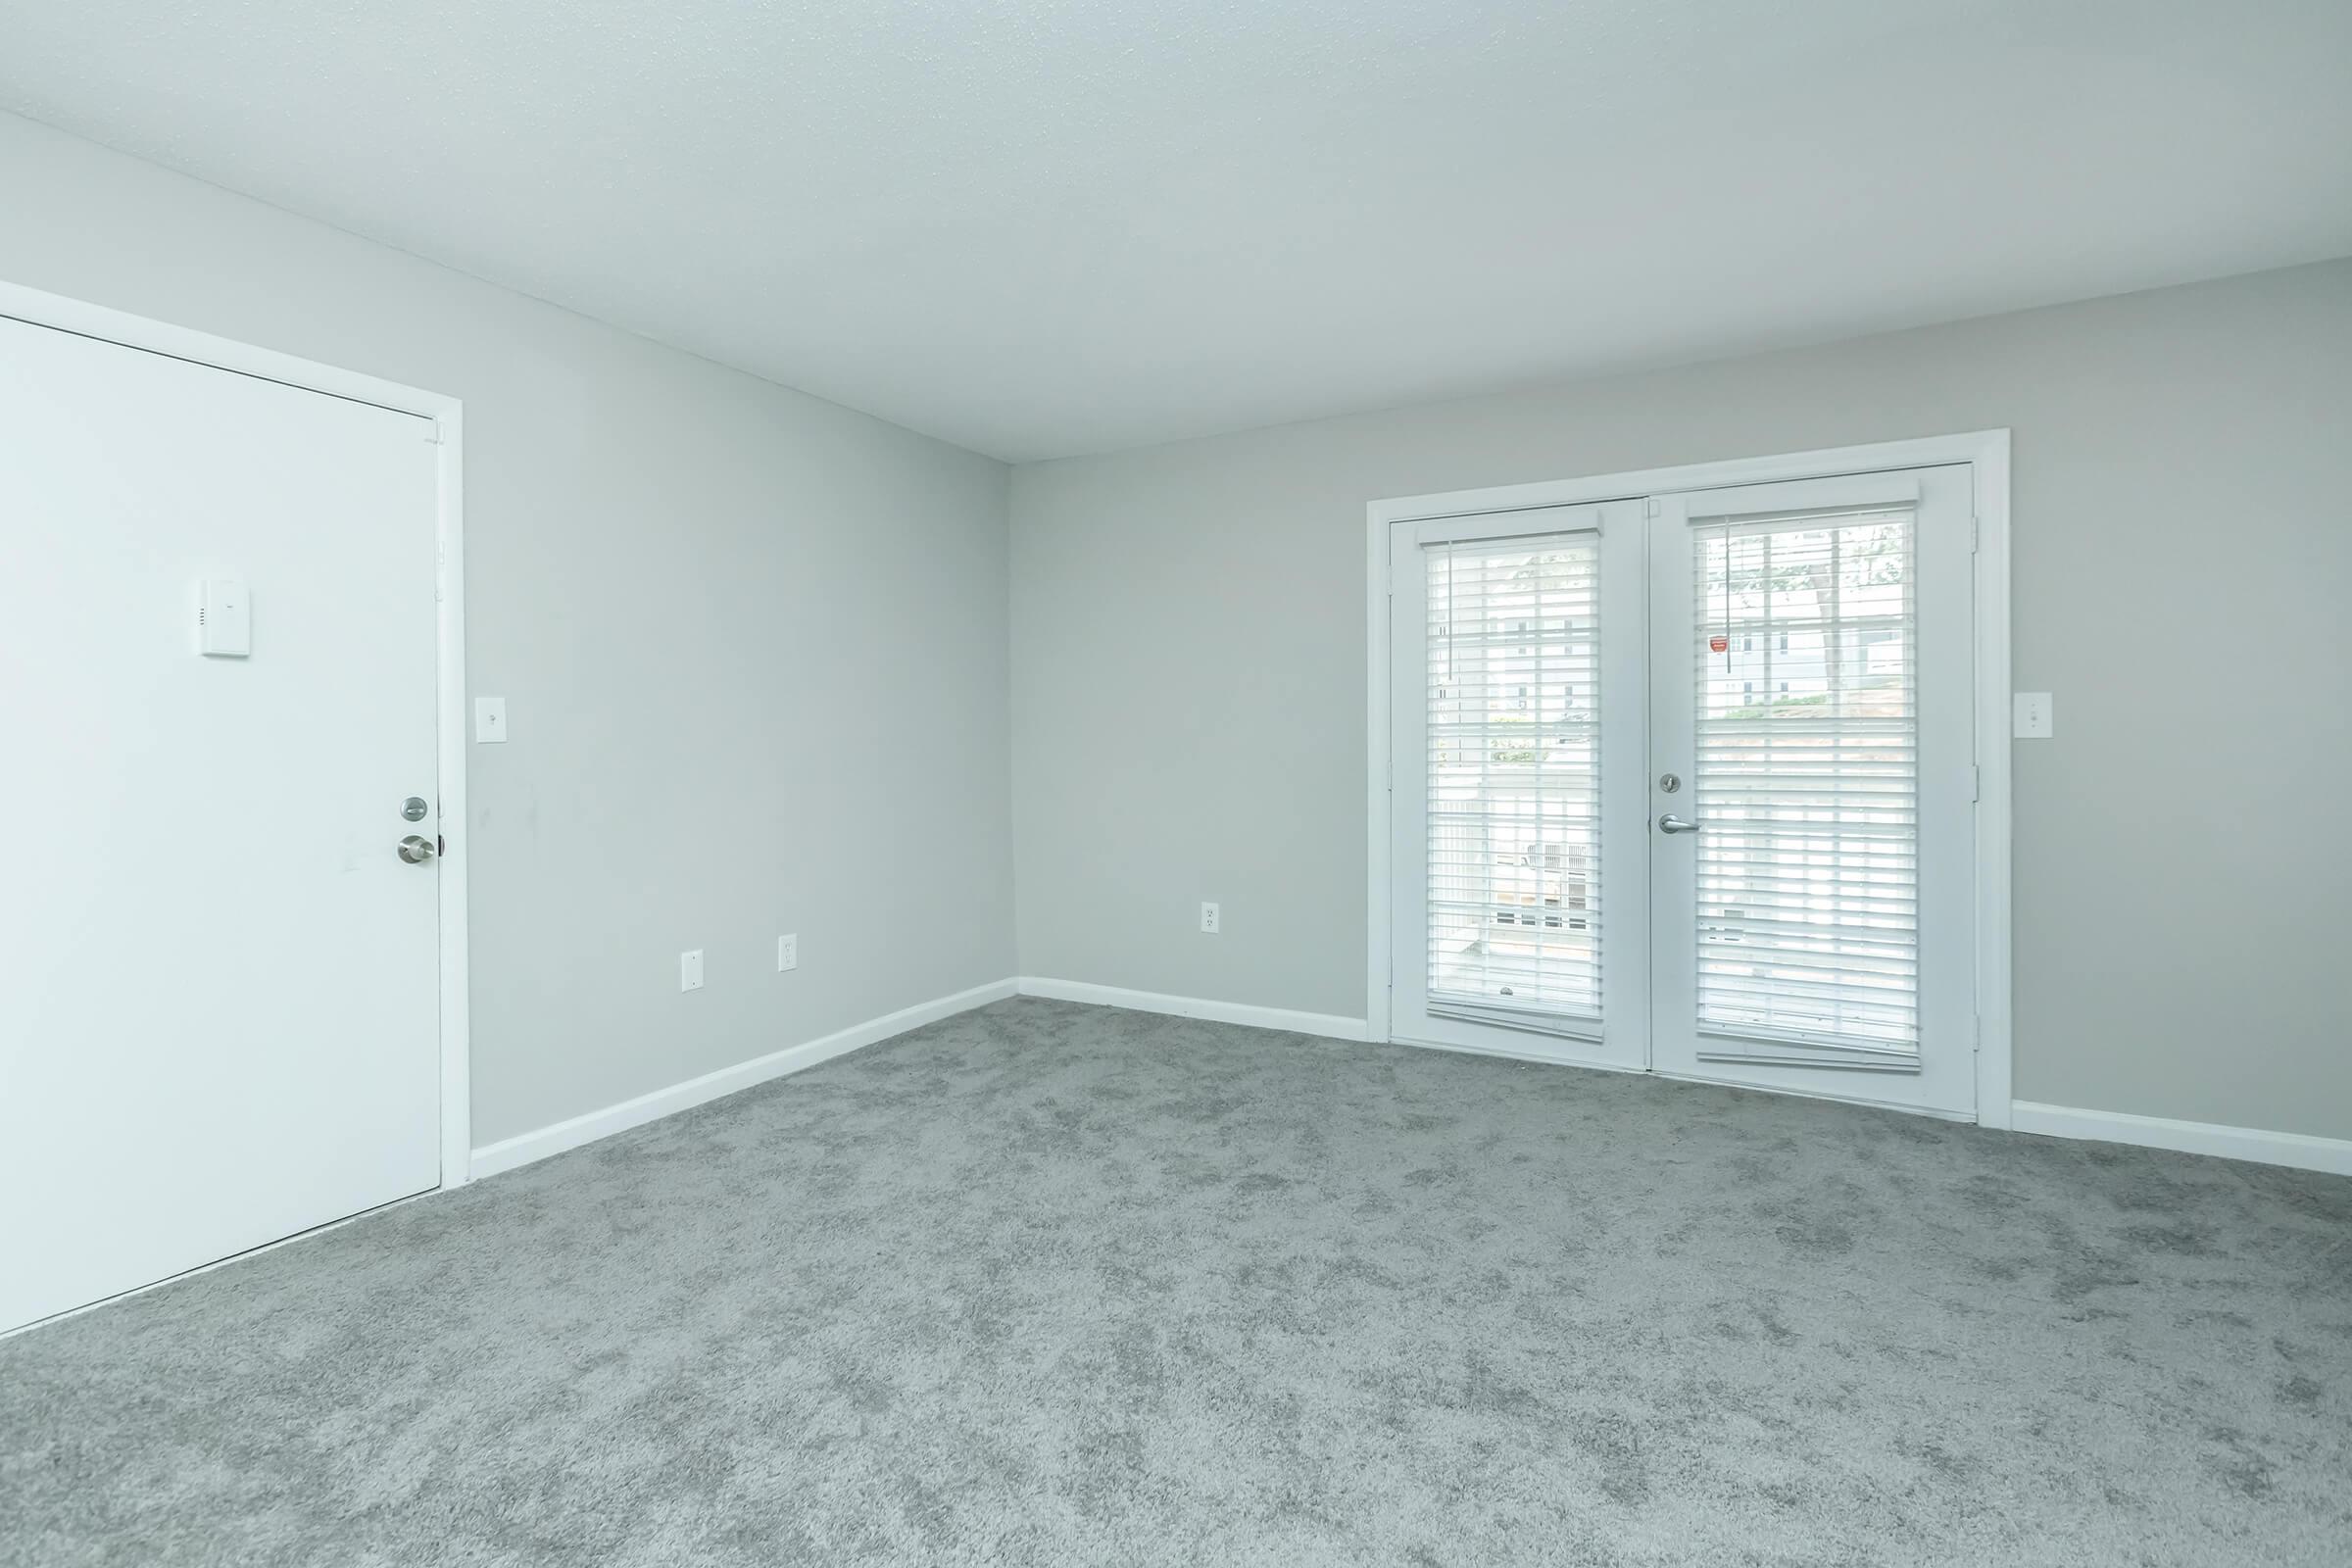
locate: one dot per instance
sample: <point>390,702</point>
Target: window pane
<point>1515,774</point>
<point>1808,774</point>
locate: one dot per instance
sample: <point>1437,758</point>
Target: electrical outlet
<point>1208,918</point>
<point>690,970</point>
<point>788,954</point>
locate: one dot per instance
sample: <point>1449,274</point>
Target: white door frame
<point>446,418</point>
<point>1987,454</point>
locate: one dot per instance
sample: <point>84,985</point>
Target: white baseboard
<point>2300,1149</point>
<point>1331,1025</point>
<point>524,1147</point>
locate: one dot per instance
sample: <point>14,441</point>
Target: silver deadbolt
<point>416,848</point>
<point>1668,783</point>
<point>413,808</point>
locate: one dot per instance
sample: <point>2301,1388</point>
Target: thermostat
<point>223,620</point>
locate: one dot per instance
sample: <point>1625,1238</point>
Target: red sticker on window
<point>1719,645</point>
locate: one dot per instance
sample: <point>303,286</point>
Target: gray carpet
<point>1052,1284</point>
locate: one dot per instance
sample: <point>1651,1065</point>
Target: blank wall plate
<point>788,954</point>
<point>690,970</point>
<point>2030,716</point>
<point>489,720</point>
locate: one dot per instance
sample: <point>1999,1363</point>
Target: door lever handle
<point>1671,823</point>
<point>416,848</point>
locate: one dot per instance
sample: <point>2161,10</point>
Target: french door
<point>1685,783</point>
<point>1522,889</point>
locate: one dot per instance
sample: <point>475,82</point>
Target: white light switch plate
<point>2030,716</point>
<point>788,954</point>
<point>690,970</point>
<point>489,719</point>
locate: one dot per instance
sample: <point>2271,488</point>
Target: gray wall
<point>752,644</point>
<point>799,721</point>
<point>1189,672</point>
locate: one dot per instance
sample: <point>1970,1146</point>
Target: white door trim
<point>444,416</point>
<point>1987,454</point>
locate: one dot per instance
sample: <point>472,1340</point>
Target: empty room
<point>1499,783</point>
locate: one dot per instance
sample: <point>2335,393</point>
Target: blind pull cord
<point>1727,595</point>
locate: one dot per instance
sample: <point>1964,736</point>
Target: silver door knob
<point>1671,823</point>
<point>416,848</point>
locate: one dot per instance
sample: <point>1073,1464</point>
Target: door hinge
<point>1651,506</point>
<point>433,432</point>
<point>1977,1044</point>
<point>1976,534</point>
<point>1976,782</point>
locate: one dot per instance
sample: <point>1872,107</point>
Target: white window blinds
<point>1514,779</point>
<point>1808,781</point>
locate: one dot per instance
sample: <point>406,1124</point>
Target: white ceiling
<point>1045,227</point>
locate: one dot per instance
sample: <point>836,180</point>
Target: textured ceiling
<point>1043,227</point>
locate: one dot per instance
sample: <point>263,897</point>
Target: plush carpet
<point>1054,1283</point>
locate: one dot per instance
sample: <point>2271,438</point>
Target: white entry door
<point>217,1011</point>
<point>1685,783</point>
